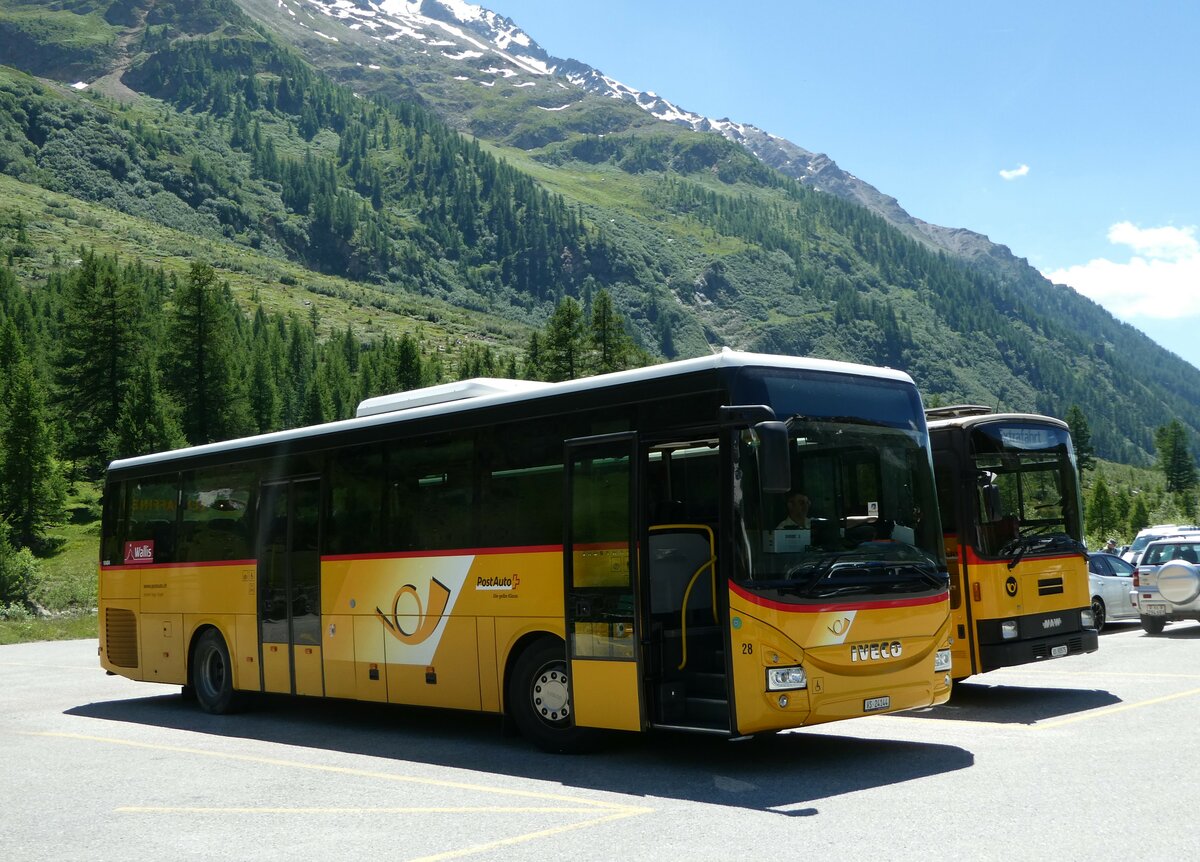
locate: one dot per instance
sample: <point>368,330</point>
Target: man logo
<point>439,597</point>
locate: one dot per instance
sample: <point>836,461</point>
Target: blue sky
<point>1067,131</point>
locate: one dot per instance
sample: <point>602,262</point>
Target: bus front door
<point>600,562</point>
<point>289,599</point>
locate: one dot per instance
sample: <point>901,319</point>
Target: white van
<point>1158,531</point>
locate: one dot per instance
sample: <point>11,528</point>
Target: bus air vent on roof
<point>957,411</point>
<point>444,393</point>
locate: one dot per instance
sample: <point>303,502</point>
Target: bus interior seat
<point>675,556</point>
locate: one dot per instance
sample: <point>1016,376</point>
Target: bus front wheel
<point>539,699</point>
<point>212,674</point>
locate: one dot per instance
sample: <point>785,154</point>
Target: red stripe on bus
<point>974,559</point>
<point>843,606</point>
<point>145,566</point>
<point>456,552</point>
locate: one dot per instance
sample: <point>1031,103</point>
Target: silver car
<point>1110,579</point>
<point>1166,583</point>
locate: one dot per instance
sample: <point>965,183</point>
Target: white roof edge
<point>725,358</point>
<point>476,387</point>
<point>967,421</point>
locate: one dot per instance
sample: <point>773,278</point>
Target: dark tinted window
<point>150,534</point>
<point>1120,567</point>
<point>218,511</point>
<point>432,493</point>
<point>1158,554</point>
<point>114,524</point>
<point>357,501</point>
<point>522,490</point>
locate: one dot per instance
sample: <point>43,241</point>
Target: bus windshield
<point>861,516</point>
<point>1025,496</point>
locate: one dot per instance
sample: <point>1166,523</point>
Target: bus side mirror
<point>774,458</point>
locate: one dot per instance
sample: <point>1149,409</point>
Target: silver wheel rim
<point>550,694</point>
<point>211,679</point>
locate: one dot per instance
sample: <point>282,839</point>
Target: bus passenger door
<point>289,568</point>
<point>600,563</point>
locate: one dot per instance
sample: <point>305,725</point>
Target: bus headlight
<point>1086,619</point>
<point>785,678</point>
<point>1008,629</point>
<point>941,661</point>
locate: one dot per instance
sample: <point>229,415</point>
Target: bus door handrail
<point>707,564</point>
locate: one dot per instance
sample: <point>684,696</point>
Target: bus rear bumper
<point>994,656</point>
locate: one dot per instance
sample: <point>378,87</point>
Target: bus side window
<point>154,504</point>
<point>358,502</point>
<point>115,524</point>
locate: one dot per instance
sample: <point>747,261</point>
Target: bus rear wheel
<point>539,699</point>
<point>212,675</point>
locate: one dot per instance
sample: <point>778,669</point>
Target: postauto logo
<point>427,621</point>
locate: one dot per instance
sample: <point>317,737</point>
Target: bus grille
<point>120,637</point>
<point>1050,587</point>
<point>1042,650</point>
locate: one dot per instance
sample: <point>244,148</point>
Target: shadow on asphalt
<point>780,772</point>
<point>1014,704</point>
<point>1179,630</point>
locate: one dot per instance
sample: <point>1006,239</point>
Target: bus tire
<point>212,675</point>
<point>539,702</point>
<point>1153,625</point>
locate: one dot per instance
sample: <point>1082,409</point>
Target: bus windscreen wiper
<point>840,420</point>
<point>868,574</point>
<point>1017,548</point>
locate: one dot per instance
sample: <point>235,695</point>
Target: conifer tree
<point>564,342</point>
<point>1175,458</point>
<point>202,359</point>
<point>32,487</point>
<point>1081,439</point>
<point>1101,516</point>
<point>409,371</point>
<point>265,405</point>
<point>148,421</point>
<point>101,337</point>
<point>1139,517</point>
<point>611,345</point>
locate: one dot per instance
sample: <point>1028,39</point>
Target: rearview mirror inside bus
<point>774,463</point>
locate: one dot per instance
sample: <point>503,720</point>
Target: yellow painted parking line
<point>1102,713</point>
<point>530,836</point>
<point>1074,673</point>
<point>608,811</point>
<point>415,809</point>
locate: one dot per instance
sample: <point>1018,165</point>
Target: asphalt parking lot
<point>1088,757</point>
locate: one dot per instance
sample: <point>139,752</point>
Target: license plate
<point>1059,650</point>
<point>871,704</point>
<point>1155,610</point>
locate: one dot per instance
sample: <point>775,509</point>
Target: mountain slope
<point>225,132</point>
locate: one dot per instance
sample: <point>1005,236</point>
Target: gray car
<point>1166,583</point>
<point>1110,579</point>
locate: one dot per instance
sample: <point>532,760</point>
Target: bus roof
<point>485,392</point>
<point>973,420</point>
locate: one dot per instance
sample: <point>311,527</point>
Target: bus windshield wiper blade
<point>841,420</point>
<point>1058,541</point>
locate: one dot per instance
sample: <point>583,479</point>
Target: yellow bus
<point>1008,488</point>
<point>601,553</point>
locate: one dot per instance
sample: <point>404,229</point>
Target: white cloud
<point>1015,172</point>
<point>1161,279</point>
